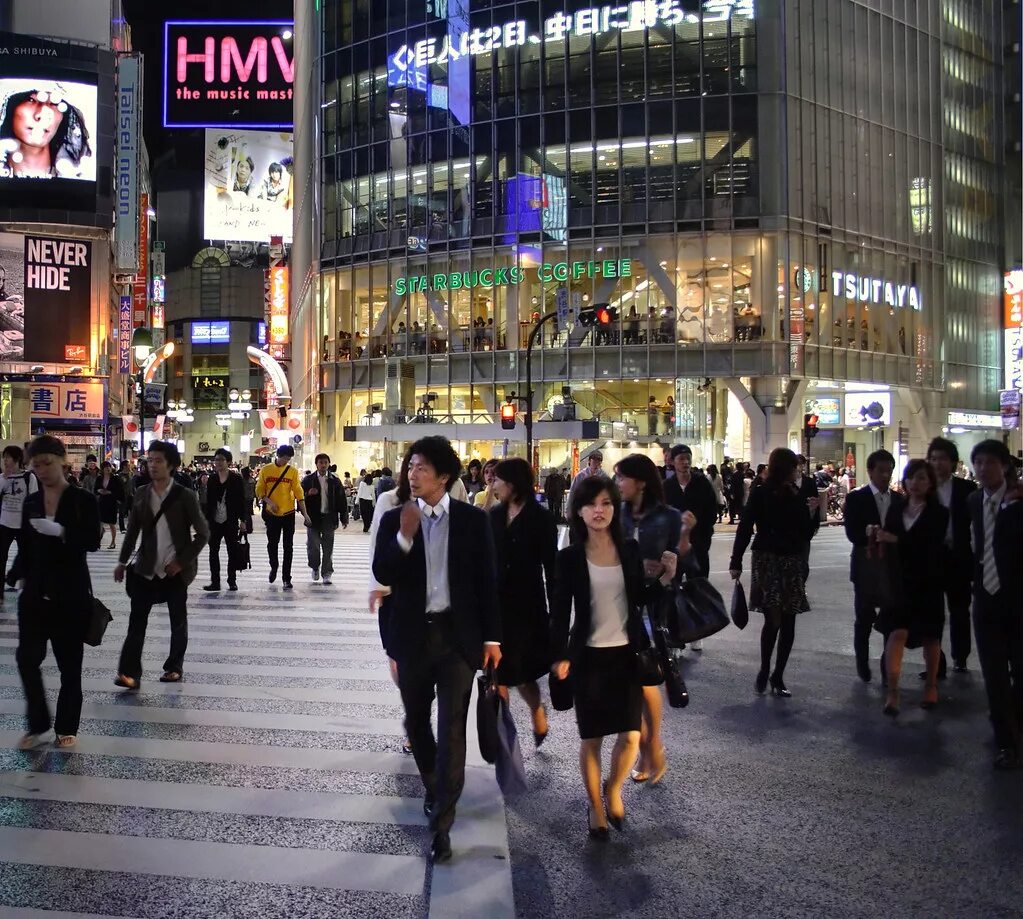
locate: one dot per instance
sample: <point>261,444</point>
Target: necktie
<point>991,582</point>
<point>882,506</point>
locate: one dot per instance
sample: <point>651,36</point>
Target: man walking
<point>90,473</point>
<point>437,556</point>
<point>997,524</point>
<point>594,466</point>
<point>225,511</point>
<point>326,505</point>
<point>163,518</point>
<point>691,491</point>
<point>280,491</point>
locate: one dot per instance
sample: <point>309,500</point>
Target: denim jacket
<point>659,529</point>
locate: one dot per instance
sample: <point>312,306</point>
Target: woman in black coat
<point>109,494</point>
<point>919,618</point>
<point>60,523</point>
<point>602,575</point>
<point>526,546</point>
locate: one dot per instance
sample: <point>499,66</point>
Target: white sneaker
<point>696,645</point>
<point>326,580</point>
<point>316,575</point>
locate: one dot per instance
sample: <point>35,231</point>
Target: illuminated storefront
<point>483,165</point>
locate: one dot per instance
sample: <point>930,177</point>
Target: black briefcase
<point>241,554</point>
<point>99,619</point>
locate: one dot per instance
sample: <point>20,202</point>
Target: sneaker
<point>326,580</point>
<point>316,575</point>
<point>288,586</point>
<point>696,645</point>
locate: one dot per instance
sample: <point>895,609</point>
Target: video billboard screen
<point>868,409</point>
<point>45,297</point>
<point>228,74</point>
<point>211,333</point>
<point>248,186</point>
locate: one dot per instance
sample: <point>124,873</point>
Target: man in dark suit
<point>437,556</point>
<point>997,524</point>
<point>326,504</point>
<point>225,512</point>
<point>953,492</point>
<point>688,490</point>
<point>869,509</point>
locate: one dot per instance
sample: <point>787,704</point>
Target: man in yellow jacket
<point>280,490</point>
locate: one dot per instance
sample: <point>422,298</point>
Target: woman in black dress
<point>60,523</point>
<point>919,619</point>
<point>602,575</point>
<point>526,546</point>
<point>784,525</point>
<point>109,494</point>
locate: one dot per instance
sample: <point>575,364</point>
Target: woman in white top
<point>367,498</point>
<point>601,574</point>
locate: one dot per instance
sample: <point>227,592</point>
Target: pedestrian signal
<point>508,416</point>
<point>810,422</point>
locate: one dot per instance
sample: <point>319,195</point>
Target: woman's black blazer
<point>568,637</point>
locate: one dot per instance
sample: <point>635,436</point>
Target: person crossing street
<point>225,511</point>
<point>280,491</point>
<point>326,507</point>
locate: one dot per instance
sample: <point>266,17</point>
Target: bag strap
<point>273,487</point>
<point>149,530</point>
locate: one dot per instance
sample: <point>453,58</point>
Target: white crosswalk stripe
<point>269,782</point>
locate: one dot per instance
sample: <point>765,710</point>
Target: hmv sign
<point>228,74</point>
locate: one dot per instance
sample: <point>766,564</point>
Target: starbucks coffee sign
<point>548,273</point>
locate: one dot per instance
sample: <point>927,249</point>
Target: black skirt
<point>608,694</point>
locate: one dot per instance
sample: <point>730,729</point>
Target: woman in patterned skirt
<point>784,526</point>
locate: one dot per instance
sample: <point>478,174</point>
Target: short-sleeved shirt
<point>285,495</point>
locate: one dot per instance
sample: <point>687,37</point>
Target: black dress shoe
<point>761,682</point>
<point>960,667</point>
<point>231,585</point>
<point>778,687</point>
<point>212,588</point>
<point>273,575</point>
<point>440,848</point>
<point>863,670</point>
<point>599,833</point>
<point>429,801</point>
<point>288,585</point>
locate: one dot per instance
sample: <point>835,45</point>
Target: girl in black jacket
<point>60,523</point>
<point>603,575</point>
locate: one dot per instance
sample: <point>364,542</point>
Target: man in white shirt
<point>15,485</point>
<point>594,466</point>
<point>326,506</point>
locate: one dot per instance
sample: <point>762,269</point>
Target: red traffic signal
<point>508,416</point>
<point>810,422</point>
<point>603,316</point>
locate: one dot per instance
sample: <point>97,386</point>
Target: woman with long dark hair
<point>526,547</point>
<point>919,619</point>
<point>784,525</point>
<point>60,524</point>
<point>42,135</point>
<point>657,528</point>
<point>601,574</point>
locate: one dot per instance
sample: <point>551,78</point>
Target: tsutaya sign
<point>875,290</point>
<point>633,16</point>
<point>548,272</point>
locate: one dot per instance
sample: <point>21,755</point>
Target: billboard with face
<point>248,186</point>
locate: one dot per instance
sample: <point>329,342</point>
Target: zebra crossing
<point>270,782</point>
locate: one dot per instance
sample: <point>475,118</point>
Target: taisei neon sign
<point>634,16</point>
<point>548,272</point>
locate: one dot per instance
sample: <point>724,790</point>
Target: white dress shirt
<point>435,526</point>
<point>883,500</point>
<point>323,485</point>
<point>165,553</point>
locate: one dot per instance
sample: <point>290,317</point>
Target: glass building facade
<point>761,192</point>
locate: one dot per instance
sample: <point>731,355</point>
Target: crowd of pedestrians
<point>466,574</point>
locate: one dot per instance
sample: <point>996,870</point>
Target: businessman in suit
<point>437,556</point>
<point>327,506</point>
<point>869,509</point>
<point>953,493</point>
<point>689,490</point>
<point>997,524</point>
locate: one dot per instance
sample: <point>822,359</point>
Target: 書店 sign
<point>548,272</point>
<point>875,290</point>
<point>68,401</point>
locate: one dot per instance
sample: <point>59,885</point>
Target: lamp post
<point>142,347</point>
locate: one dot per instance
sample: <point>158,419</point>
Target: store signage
<point>548,272</point>
<point>828,410</point>
<point>868,409</point>
<point>973,420</point>
<point>634,16</point>
<point>124,336</point>
<point>1014,298</point>
<point>126,172</point>
<point>1009,402</point>
<point>68,401</point>
<point>1014,358</point>
<point>875,290</point>
<point>211,333</point>
<point>228,74</point>
<point>279,305</point>
<point>140,289</point>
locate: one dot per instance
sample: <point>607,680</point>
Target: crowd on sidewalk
<point>470,571</point>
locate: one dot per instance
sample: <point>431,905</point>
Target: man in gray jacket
<point>164,514</point>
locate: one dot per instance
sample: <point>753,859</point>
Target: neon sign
<point>875,290</point>
<point>634,16</point>
<point>547,273</point>
<point>279,305</point>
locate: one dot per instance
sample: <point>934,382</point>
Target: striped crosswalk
<point>270,782</point>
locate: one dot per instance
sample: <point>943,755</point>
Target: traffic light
<point>601,316</point>
<point>810,421</point>
<point>508,416</point>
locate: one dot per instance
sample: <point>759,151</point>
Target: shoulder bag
<point>99,618</point>
<point>264,513</point>
<point>740,608</point>
<point>242,554</point>
<point>698,611</point>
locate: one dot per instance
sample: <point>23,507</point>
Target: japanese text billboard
<point>248,186</point>
<point>45,298</point>
<point>68,401</point>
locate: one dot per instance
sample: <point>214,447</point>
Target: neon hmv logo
<point>231,67</point>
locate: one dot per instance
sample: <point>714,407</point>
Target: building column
<point>768,407</point>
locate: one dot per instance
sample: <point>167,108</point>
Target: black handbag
<point>99,619</point>
<point>674,684</point>
<point>487,711</point>
<point>740,609</point>
<point>648,667</point>
<point>242,554</point>
<point>698,612</point>
<point>877,577</point>
<point>561,692</point>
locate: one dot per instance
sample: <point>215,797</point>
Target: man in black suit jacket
<point>326,504</point>
<point>869,509</point>
<point>225,512</point>
<point>437,556</point>
<point>953,493</point>
<point>997,524</point>
<point>688,490</point>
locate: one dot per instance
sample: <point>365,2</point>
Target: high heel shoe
<point>539,738</point>
<point>778,687</point>
<point>891,705</point>
<point>617,822</point>
<point>930,699</point>
<point>660,766</point>
<point>599,833</point>
<point>761,684</point>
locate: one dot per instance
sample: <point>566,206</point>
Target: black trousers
<point>228,532</point>
<point>38,623</point>
<point>8,535</point>
<point>998,623</point>
<point>438,670</point>
<point>866,616</point>
<point>957,595</point>
<point>145,594</point>
<point>275,528</point>
<point>701,555</point>
<point>366,512</point>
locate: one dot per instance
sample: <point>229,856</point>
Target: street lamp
<point>142,347</point>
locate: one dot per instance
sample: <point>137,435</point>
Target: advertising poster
<point>868,409</point>
<point>248,186</point>
<point>140,289</point>
<point>828,410</point>
<point>45,297</point>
